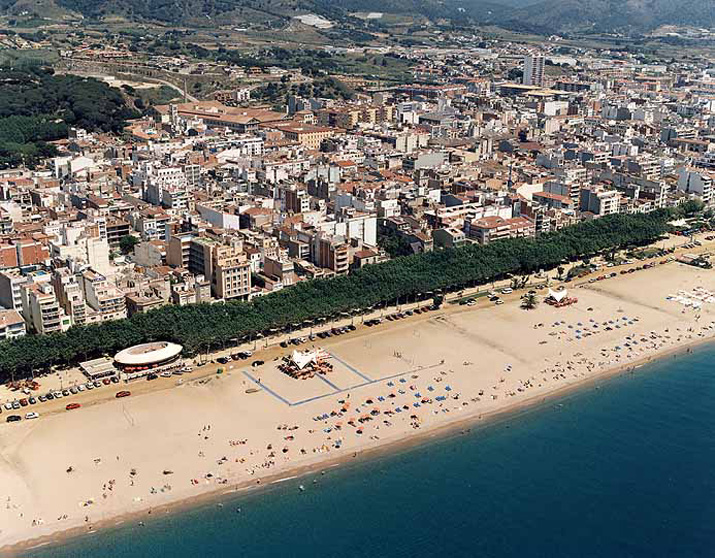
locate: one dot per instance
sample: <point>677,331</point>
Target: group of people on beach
<point>425,396</point>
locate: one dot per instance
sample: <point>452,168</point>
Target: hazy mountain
<point>539,15</point>
<point>606,15</point>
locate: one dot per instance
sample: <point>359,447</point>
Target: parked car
<point>114,379</point>
<point>31,400</point>
<point>13,418</point>
<point>151,376</point>
<point>222,360</point>
<point>256,363</point>
<point>507,290</point>
<point>123,393</point>
<point>32,415</point>
<point>72,406</point>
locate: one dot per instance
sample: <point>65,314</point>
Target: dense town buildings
<point>201,201</point>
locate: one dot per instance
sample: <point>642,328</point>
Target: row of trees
<point>205,326</point>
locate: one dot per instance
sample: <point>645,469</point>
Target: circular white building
<point>147,355</point>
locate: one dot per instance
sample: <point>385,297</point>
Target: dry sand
<point>209,435</point>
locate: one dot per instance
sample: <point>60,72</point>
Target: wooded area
<point>37,106</point>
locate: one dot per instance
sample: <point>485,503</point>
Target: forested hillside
<point>37,106</point>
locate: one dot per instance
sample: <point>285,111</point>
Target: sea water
<point>625,468</point>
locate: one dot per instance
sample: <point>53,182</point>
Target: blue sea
<point>622,469</point>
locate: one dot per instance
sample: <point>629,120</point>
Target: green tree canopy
<point>203,326</point>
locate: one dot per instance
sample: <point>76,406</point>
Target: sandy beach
<point>121,459</point>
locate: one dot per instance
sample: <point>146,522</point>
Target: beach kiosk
<point>140,360</point>
<point>559,299</point>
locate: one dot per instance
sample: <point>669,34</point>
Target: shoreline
<point>385,447</point>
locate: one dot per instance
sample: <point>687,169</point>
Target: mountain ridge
<point>546,16</point>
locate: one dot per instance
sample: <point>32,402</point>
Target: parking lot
<point>29,405</point>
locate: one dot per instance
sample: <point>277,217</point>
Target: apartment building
<point>696,182</point>
<point>550,200</point>
<point>82,243</point>
<point>116,230</point>
<point>489,229</point>
<point>190,289</point>
<point>231,276</point>
<point>534,70</point>
<point>597,200</point>
<point>348,117</point>
<point>225,265</point>
<point>280,270</point>
<point>11,325</point>
<point>41,309</point>
<point>297,200</point>
<point>332,253</point>
<point>103,297</point>
<point>70,295</point>
<point>11,282</point>
<point>151,223</point>
<point>305,134</point>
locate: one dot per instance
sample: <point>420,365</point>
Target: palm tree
<point>529,301</point>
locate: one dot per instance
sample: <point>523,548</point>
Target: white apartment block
<point>696,182</point>
<point>534,70</point>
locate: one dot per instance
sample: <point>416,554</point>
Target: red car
<point>123,394</point>
<point>72,406</point>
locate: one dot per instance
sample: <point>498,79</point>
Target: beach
<point>395,383</point>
